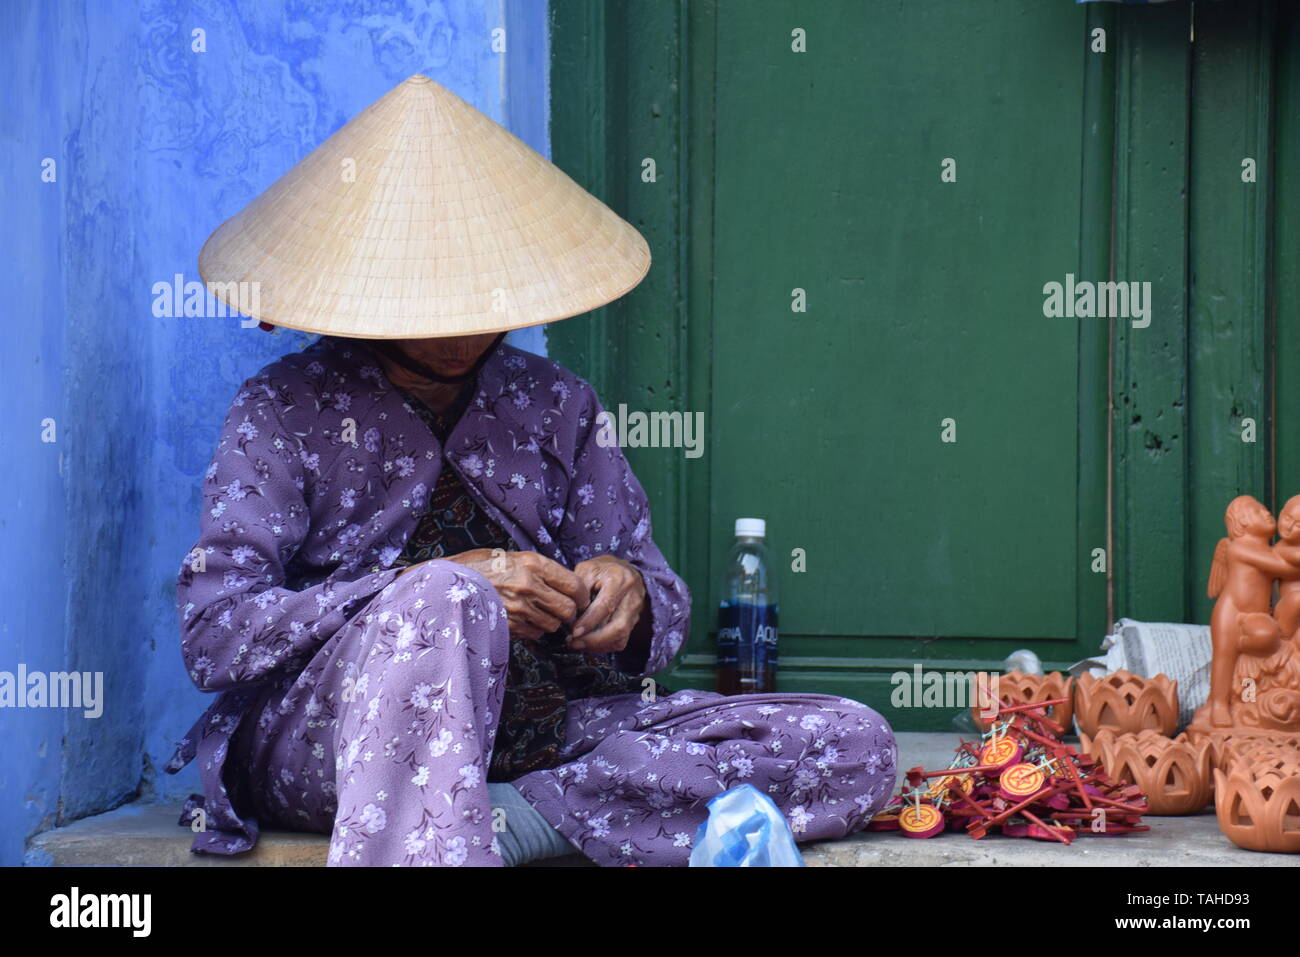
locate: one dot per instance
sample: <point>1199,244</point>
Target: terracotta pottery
<point>1255,666</point>
<point>1225,745</point>
<point>1173,773</point>
<point>1287,609</point>
<point>1095,743</point>
<point>1020,688</point>
<point>1258,799</point>
<point>1283,758</point>
<point>1126,703</point>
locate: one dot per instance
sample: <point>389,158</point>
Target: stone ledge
<point>1192,841</point>
<point>148,835</point>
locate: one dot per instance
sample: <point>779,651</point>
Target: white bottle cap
<point>751,528</point>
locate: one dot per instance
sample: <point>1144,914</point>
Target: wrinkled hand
<point>618,602</point>
<point>539,593</point>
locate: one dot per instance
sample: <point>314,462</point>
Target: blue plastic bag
<point>745,829</point>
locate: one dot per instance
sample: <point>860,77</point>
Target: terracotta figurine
<point>1287,611</point>
<point>1241,578</point>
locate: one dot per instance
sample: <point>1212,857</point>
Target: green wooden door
<point>915,430</point>
<point>835,304</point>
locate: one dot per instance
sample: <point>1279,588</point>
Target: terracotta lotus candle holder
<point>1258,799</point>
<point>1226,745</point>
<point>1021,688</point>
<point>1126,704</point>
<point>1173,773</point>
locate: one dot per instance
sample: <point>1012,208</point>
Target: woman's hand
<point>539,594</point>
<point>618,604</point>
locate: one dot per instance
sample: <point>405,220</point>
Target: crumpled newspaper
<point>1150,648</point>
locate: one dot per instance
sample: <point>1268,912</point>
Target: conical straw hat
<point>449,226</point>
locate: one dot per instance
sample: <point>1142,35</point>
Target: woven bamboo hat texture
<point>448,225</point>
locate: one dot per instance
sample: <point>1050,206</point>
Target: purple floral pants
<point>385,738</point>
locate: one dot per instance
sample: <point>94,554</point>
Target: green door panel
<point>924,302</point>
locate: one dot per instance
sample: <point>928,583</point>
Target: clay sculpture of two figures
<point>1255,672</point>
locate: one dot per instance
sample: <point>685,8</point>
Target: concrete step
<point>148,835</point>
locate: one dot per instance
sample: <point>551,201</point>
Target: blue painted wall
<point>155,145</point>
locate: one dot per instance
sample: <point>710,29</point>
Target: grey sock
<point>528,836</point>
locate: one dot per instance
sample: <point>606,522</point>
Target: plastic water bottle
<point>747,632</point>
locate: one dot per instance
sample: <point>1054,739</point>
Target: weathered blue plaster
<point>527,100</point>
<point>156,146</point>
<point>33,591</point>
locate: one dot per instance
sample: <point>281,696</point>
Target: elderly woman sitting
<point>431,600</point>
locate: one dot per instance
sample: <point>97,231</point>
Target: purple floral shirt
<point>321,474</point>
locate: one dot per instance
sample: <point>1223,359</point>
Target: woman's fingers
<point>539,593</point>
<point>556,576</point>
<point>521,627</point>
<point>535,591</point>
<point>603,603</point>
<point>547,600</point>
<point>613,635</point>
<point>547,612</point>
<point>618,597</point>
